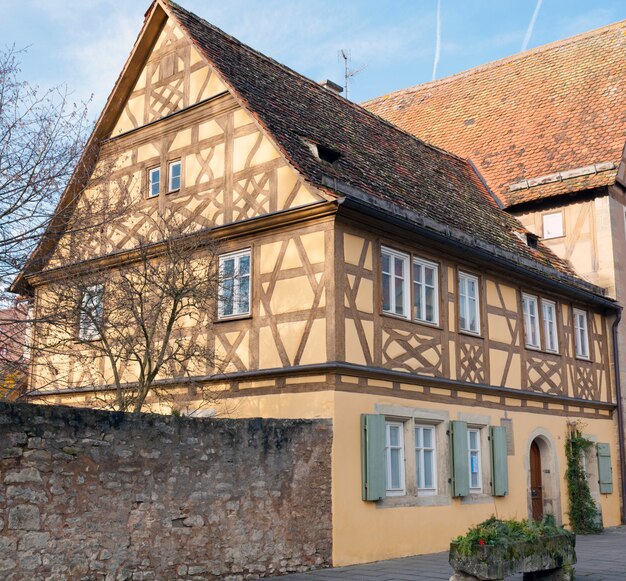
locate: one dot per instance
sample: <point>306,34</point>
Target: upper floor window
<point>553,225</point>
<point>394,458</point>
<point>425,295</point>
<point>154,182</point>
<point>174,176</point>
<point>549,325</point>
<point>91,311</point>
<point>425,458</point>
<point>234,283</point>
<point>581,334</point>
<point>469,316</point>
<point>395,279</point>
<point>531,321</point>
<point>473,452</point>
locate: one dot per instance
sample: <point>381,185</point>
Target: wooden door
<point>536,488</point>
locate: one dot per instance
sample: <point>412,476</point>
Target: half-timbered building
<point>379,284</point>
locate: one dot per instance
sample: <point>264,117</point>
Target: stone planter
<point>548,558</point>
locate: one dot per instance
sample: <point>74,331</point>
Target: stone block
<point>23,476</point>
<point>25,517</point>
<point>34,541</point>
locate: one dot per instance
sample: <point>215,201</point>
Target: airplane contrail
<point>438,41</point>
<point>531,26</point>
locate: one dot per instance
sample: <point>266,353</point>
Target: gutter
<point>620,417</point>
<point>465,243</point>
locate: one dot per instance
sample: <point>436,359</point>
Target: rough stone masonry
<point>88,494</point>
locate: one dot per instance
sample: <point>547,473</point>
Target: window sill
<point>412,501</point>
<point>414,321</point>
<point>477,498</point>
<point>233,318</point>
<point>173,191</point>
<point>471,334</point>
<point>583,358</point>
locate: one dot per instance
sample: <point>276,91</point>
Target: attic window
<point>323,152</point>
<point>531,240</point>
<point>327,154</point>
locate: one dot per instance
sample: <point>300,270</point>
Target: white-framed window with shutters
<point>474,460</point>
<point>469,305</point>
<point>581,334</point>
<point>530,308</point>
<point>425,459</point>
<point>425,291</point>
<point>550,332</point>
<point>174,176</point>
<point>394,458</point>
<point>395,282</point>
<point>154,182</point>
<point>553,225</point>
<point>234,284</point>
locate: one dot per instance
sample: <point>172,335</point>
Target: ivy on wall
<point>583,512</point>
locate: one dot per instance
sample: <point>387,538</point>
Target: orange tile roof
<point>551,109</point>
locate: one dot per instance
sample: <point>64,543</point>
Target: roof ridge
<point>313,83</point>
<point>554,45</point>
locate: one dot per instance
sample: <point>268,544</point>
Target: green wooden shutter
<point>459,458</point>
<point>374,478</point>
<point>605,471</point>
<point>499,460</point>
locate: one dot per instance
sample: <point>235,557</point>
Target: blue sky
<point>84,43</point>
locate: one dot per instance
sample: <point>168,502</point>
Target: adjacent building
<point>379,283</point>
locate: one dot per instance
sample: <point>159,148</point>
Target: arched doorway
<point>536,484</point>
<point>542,465</point>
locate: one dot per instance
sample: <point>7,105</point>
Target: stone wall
<point>86,494</point>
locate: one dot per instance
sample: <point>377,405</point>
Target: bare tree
<point>138,331</point>
<point>42,134</point>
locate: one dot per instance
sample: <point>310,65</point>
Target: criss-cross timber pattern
<point>174,77</point>
<point>411,350</point>
<point>291,301</point>
<point>471,361</point>
<point>545,374</point>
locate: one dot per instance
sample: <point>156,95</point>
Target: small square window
<point>154,182</point>
<point>553,225</point>
<point>174,176</point>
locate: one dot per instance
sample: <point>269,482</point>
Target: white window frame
<point>87,331</point>
<point>402,490</point>
<point>478,452</point>
<point>559,232</point>
<point>531,323</point>
<point>464,301</point>
<point>406,287</point>
<point>422,265</point>
<point>550,322</point>
<point>151,172</point>
<point>236,256</point>
<point>170,177</point>
<point>582,350</point>
<point>422,490</point>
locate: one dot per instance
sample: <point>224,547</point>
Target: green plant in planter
<point>505,533</point>
<point>583,512</point>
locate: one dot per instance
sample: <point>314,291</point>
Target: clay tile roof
<point>376,158</point>
<point>552,109</point>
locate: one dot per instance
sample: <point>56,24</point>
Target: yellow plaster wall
<point>424,529</point>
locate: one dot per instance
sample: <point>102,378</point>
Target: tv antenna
<point>349,73</point>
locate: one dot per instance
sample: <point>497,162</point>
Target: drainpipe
<point>620,416</point>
